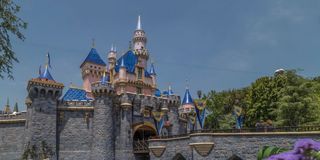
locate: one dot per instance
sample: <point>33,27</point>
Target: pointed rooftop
<point>105,79</point>
<point>45,74</point>
<point>93,57</point>
<point>139,23</point>
<point>152,70</point>
<point>187,99</point>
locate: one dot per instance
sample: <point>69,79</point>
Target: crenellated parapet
<point>43,88</point>
<point>100,90</point>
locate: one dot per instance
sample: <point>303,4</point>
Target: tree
<point>10,25</point>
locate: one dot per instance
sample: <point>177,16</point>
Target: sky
<point>207,44</point>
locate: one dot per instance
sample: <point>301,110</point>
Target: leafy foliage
<point>10,25</point>
<point>267,151</point>
<point>286,99</point>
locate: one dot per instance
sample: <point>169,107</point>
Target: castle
<point>119,113</point>
<point>118,108</point>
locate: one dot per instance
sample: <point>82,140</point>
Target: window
<point>140,73</point>
<point>139,90</point>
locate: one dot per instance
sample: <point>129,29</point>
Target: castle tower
<point>92,69</point>
<point>124,148</point>
<point>41,125</point>
<point>139,44</point>
<point>103,147</point>
<point>122,76</point>
<point>112,58</point>
<point>153,76</point>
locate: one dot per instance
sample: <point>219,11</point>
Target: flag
<point>40,72</point>
<point>49,61</point>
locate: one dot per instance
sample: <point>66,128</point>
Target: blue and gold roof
<point>76,94</point>
<point>45,74</point>
<point>129,61</point>
<point>93,57</point>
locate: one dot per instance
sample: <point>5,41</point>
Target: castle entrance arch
<point>141,134</point>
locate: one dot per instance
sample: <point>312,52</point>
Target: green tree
<point>10,25</point>
<point>299,104</point>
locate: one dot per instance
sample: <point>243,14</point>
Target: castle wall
<point>244,145</point>
<point>11,139</point>
<point>75,134</point>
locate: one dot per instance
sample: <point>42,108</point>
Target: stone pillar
<point>41,125</point>
<point>124,148</point>
<point>103,147</point>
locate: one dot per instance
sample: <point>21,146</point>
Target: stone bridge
<point>223,144</point>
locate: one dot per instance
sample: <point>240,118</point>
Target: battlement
<point>100,89</point>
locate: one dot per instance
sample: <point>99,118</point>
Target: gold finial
<point>93,43</point>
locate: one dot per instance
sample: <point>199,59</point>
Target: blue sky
<point>215,44</point>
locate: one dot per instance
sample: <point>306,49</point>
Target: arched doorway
<point>141,134</point>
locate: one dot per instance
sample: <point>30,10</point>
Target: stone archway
<point>178,156</point>
<point>141,134</point>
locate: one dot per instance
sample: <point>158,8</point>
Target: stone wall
<point>244,145</point>
<point>11,139</point>
<point>74,134</point>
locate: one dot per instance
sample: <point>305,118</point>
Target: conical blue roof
<point>93,57</point>
<point>129,60</point>
<point>45,74</point>
<point>187,99</point>
<point>152,70</point>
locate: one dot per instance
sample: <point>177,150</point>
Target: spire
<point>45,74</point>
<point>139,23</point>
<point>7,101</point>
<point>122,64</point>
<point>152,70</point>
<point>170,92</point>
<point>105,78</point>
<point>187,99</point>
<point>16,108</point>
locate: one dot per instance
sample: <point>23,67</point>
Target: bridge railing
<point>248,130</point>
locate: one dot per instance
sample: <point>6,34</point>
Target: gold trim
<point>157,150</point>
<point>148,124</point>
<point>203,148</point>
<point>10,121</point>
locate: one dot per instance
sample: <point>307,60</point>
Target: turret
<point>92,69</point>
<point>139,44</point>
<point>103,146</point>
<point>153,76</point>
<point>112,58</point>
<point>42,99</point>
